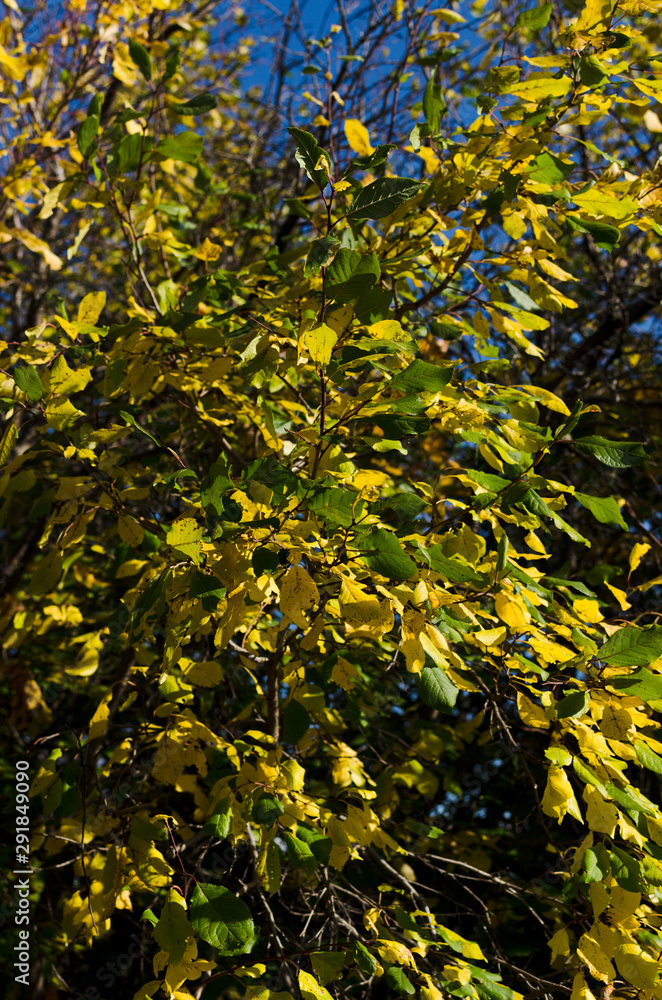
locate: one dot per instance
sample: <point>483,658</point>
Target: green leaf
<point>434,105</point>
<point>573,705</point>
<point>267,809</point>
<point>535,18</point>
<point>615,454</point>
<point>87,135</point>
<point>386,556</point>
<point>604,509</point>
<point>308,155</point>
<point>140,57</point>
<point>549,169</point>
<point>201,104</point>
<point>320,254</point>
<point>502,554</point>
<point>451,569</point>
<point>364,959</point>
<point>185,147</point>
<point>421,376</point>
<point>382,197</point>
<point>437,689</point>
<point>296,722</point>
<point>604,235</point>
<point>219,823</point>
<point>640,682</point>
<point>213,486</point>
<point>28,381</point>
<point>648,757</point>
<point>172,62</point>
<point>300,854</point>
<point>626,870</point>
<point>374,159</point>
<point>591,71</point>
<point>596,863</point>
<point>350,275</point>
<point>398,981</point>
<point>327,965</point>
<point>631,647</point>
<point>221,919</point>
<point>336,506</point>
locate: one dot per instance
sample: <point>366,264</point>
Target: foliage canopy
<point>330,518</point>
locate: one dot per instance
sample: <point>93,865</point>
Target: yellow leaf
<point>636,966</point>
<point>592,955</point>
<point>206,674</point>
<point>512,610</point>
<point>298,593</point>
<point>595,14</point>
<point>208,251</point>
<point>341,186</point>
<point>530,713</point>
<point>14,67</point>
<point>99,721</point>
<point>311,989</point>
<point>8,441</point>
<point>616,724</point>
<point>320,343</point>
<point>638,551</point>
<point>601,815</point>
<point>185,536</point>
<point>491,637</point>
<point>91,307</point>
<point>358,137</point>
<point>394,951</point>
<point>580,990</point>
<point>620,596</point>
<point>130,531</point>
<point>559,798</point>
<point>344,674</point>
<point>587,610</point>
<point>559,943</point>
<point>47,574</point>
<point>294,775</point>
<point>65,380</point>
<point>536,88</point>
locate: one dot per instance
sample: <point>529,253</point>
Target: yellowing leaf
<point>91,307</point>
<point>65,380</point>
<point>298,593</point>
<point>358,137</point>
<point>320,343</point>
<point>208,251</point>
<point>596,14</point>
<point>130,531</point>
<point>186,537</point>
<point>394,951</point>
<point>538,87</point>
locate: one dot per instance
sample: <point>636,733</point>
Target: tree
<point>330,504</point>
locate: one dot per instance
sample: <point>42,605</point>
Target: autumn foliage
<point>330,519</point>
